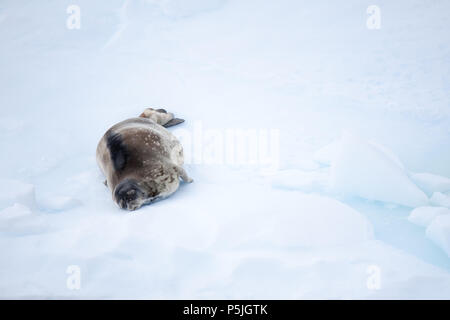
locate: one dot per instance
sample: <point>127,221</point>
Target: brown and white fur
<point>141,160</point>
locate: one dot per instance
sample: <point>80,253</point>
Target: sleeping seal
<point>141,160</point>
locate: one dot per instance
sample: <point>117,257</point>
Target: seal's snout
<point>128,194</point>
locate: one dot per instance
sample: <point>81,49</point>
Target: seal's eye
<point>126,192</point>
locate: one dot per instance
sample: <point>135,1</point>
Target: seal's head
<point>129,195</point>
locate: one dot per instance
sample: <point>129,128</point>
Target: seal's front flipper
<point>183,175</point>
<point>173,122</point>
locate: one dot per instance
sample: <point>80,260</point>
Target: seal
<point>141,160</point>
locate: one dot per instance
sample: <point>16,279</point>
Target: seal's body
<point>141,159</point>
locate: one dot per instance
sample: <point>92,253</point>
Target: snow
<point>351,161</point>
<point>15,211</point>
<point>59,203</point>
<point>180,8</point>
<point>327,154</point>
<point>14,191</point>
<point>307,181</point>
<point>423,216</point>
<point>362,169</point>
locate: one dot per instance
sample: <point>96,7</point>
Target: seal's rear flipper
<point>173,122</point>
<point>161,116</point>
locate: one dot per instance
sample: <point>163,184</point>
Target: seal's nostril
<point>131,195</point>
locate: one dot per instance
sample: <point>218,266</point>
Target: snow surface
<point>14,191</point>
<point>363,120</point>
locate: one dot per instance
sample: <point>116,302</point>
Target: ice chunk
<point>388,153</point>
<point>431,183</point>
<point>14,191</point>
<point>423,216</point>
<point>364,169</point>
<point>439,232</point>
<point>327,154</point>
<point>440,199</point>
